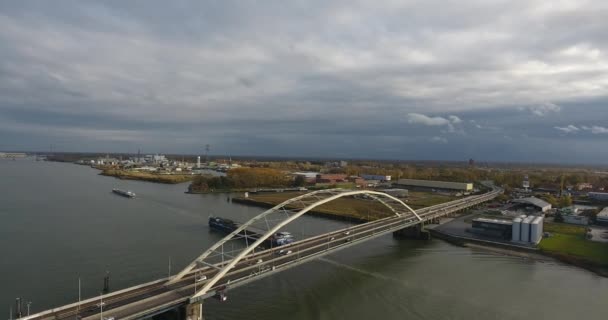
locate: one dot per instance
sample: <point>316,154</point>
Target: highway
<point>156,297</point>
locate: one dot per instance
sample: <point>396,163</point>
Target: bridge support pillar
<point>413,232</point>
<point>194,311</point>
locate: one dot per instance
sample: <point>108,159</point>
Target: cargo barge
<point>127,194</point>
<point>228,226</point>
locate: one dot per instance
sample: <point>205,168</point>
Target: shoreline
<point>154,178</point>
<point>497,247</point>
<point>520,251</point>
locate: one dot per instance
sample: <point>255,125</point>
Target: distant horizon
<point>312,158</point>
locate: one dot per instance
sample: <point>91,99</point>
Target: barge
<point>227,226</point>
<point>127,194</point>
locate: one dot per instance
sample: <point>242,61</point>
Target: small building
<point>599,196</point>
<point>309,177</point>
<point>602,217</point>
<point>540,204</point>
<point>430,184</point>
<point>358,181</point>
<point>584,185</point>
<point>575,219</point>
<point>331,178</point>
<point>376,177</point>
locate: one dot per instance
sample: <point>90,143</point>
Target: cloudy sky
<point>490,80</point>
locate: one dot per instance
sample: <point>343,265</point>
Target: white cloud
<point>596,129</point>
<point>439,140</point>
<point>452,122</point>
<point>568,129</point>
<point>454,119</point>
<point>543,109</point>
<point>418,118</point>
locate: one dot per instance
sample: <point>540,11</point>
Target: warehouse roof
<point>495,221</point>
<point>533,201</point>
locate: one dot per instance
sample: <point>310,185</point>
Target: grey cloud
<point>244,76</point>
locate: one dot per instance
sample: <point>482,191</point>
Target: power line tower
<point>207,147</point>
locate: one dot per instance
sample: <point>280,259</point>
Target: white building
<point>601,196</point>
<point>602,217</point>
<point>574,219</point>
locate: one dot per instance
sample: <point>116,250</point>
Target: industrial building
<point>527,229</point>
<point>540,204</point>
<point>523,229</point>
<point>602,217</point>
<point>309,177</point>
<point>600,196</point>
<point>331,178</point>
<point>381,178</point>
<point>430,184</point>
<point>492,227</point>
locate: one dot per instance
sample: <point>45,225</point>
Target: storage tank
<point>516,229</point>
<point>541,224</point>
<point>525,229</point>
<point>535,231</point>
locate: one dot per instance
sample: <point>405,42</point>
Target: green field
<point>355,208</point>
<point>569,241</point>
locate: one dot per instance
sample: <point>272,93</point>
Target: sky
<point>434,80</point>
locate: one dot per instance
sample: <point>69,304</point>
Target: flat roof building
<point>445,185</point>
<point>493,228</point>
<point>601,196</point>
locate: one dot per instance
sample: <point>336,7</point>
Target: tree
<point>565,201</point>
<point>552,200</point>
<point>299,181</point>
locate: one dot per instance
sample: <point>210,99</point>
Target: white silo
<point>198,161</point>
<point>535,230</point>
<point>525,229</point>
<point>516,229</point>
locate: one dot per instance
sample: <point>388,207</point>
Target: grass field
<point>355,208</point>
<point>570,240</point>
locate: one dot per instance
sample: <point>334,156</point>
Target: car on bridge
<point>284,252</point>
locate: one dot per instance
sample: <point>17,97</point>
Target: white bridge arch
<point>287,212</point>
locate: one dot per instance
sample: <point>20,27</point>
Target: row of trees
<point>242,178</point>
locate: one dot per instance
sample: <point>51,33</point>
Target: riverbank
<point>145,176</point>
<point>598,267</point>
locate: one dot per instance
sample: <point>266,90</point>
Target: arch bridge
<point>273,220</point>
<point>238,259</point>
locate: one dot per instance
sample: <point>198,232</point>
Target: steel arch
<point>310,200</point>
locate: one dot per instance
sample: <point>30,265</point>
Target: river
<point>59,222</point>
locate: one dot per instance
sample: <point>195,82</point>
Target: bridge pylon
<point>194,311</point>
